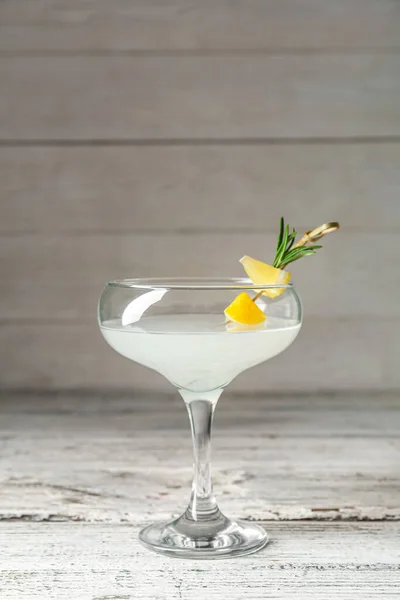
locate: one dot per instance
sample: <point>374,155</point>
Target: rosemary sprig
<point>285,254</point>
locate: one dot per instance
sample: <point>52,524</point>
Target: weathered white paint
<point>101,562</point>
<point>129,459</point>
<point>73,25</point>
<point>214,188</point>
<point>157,97</point>
<point>125,460</point>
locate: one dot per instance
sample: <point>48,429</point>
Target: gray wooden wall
<point>156,137</point>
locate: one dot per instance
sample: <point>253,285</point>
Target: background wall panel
<point>329,354</point>
<point>157,25</point>
<point>354,275</point>
<point>158,138</point>
<point>207,97</point>
<point>207,188</point>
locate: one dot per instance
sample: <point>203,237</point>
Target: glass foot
<point>202,540</point>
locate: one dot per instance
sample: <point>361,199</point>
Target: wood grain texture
<point>100,562</point>
<point>93,468</point>
<point>76,26</point>
<point>226,188</point>
<point>329,354</point>
<point>128,458</point>
<point>199,97</point>
<point>63,276</point>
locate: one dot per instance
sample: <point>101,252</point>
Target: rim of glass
<point>196,283</point>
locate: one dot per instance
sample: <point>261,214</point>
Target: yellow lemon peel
<point>244,311</point>
<point>261,273</point>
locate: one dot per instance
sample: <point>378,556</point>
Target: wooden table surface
<point>80,473</point>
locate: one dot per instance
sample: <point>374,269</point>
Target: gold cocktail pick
<point>309,237</point>
<point>287,252</point>
<point>317,233</point>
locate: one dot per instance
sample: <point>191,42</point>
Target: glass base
<point>204,540</point>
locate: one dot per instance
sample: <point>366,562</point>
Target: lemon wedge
<point>244,311</point>
<point>261,273</point>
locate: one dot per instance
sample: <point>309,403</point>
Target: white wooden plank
<point>182,24</point>
<point>202,97</point>
<point>191,188</point>
<point>92,460</point>
<point>60,561</point>
<point>329,354</point>
<point>61,277</point>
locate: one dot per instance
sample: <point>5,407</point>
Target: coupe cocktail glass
<point>177,327</point>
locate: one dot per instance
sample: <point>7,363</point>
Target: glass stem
<point>202,505</point>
